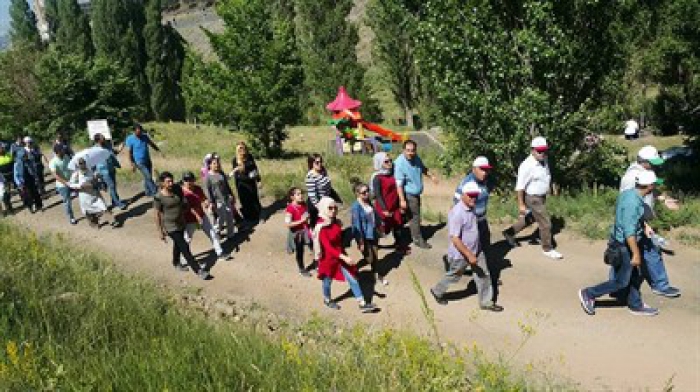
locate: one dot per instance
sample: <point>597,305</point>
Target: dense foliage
<point>23,29</point>
<point>259,76</point>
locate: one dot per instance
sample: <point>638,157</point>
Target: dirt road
<point>612,350</point>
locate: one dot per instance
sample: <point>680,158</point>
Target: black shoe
<point>510,239</point>
<point>331,304</point>
<point>493,308</point>
<point>422,244</point>
<point>439,300</point>
<point>446,263</point>
<point>367,308</point>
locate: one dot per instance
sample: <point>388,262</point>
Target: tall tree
<point>327,44</point>
<point>51,15</point>
<point>503,72</point>
<point>393,23</point>
<point>166,53</point>
<point>117,27</point>
<point>258,51</point>
<point>73,33</point>
<point>23,30</point>
<point>19,92</point>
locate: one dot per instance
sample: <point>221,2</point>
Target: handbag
<point>613,254</point>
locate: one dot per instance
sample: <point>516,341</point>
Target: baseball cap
<point>471,189</point>
<point>650,154</point>
<point>482,163</point>
<point>188,176</point>
<point>27,139</point>
<point>539,143</point>
<point>648,177</point>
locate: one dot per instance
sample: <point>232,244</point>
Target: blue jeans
<point>64,191</point>
<point>110,179</point>
<point>148,184</point>
<point>354,285</point>
<point>625,280</point>
<point>653,268</point>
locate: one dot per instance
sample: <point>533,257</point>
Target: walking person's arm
<point>400,178</point>
<point>428,173</point>
<point>520,185</point>
<point>159,222</point>
<point>377,187</point>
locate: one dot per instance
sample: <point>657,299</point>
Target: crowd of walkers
<point>384,205</point>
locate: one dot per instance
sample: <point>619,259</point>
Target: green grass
<point>70,321</point>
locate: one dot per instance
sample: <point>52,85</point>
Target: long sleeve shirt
<point>317,186</point>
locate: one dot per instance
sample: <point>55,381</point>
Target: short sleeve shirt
<point>482,200</point>
<point>461,222</point>
<point>296,211</point>
<point>173,208</point>
<point>409,174</point>
<point>629,211</point>
<point>139,148</point>
<point>533,177</point>
<point>60,167</point>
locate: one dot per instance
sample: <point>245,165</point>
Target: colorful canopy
<point>343,101</point>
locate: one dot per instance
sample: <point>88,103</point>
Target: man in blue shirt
<point>626,233</point>
<point>139,155</point>
<point>409,171</point>
<point>108,171</point>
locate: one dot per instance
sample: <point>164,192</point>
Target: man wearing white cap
<point>631,129</point>
<point>626,233</point>
<point>479,173</point>
<point>654,270</point>
<point>465,248</point>
<point>532,187</point>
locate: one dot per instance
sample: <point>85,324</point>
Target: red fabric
<point>297,211</point>
<point>343,101</point>
<point>331,241</point>
<point>390,195</point>
<point>194,198</point>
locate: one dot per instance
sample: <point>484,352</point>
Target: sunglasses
<point>318,162</point>
<point>388,161</point>
<point>364,192</point>
<point>333,208</point>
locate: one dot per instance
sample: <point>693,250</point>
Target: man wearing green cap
<point>653,268</point>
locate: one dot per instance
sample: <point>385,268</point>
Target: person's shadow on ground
<point>428,231</point>
<point>133,210</point>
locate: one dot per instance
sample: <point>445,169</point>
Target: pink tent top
<point>343,102</point>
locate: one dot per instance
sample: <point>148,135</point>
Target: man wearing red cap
<point>532,188</point>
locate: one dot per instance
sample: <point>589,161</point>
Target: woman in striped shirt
<point>318,185</point>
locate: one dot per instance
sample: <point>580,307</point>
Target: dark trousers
<point>181,247</point>
<point>413,216</point>
<point>7,197</point>
<point>299,245</point>
<point>30,194</point>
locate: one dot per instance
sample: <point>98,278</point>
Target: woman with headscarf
<point>386,196</point>
<point>204,171</point>
<point>92,204</point>
<point>246,176</point>
<point>333,262</point>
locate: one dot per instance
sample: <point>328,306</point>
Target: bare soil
<point>612,350</point>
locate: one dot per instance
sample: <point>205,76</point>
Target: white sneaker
<point>553,254</point>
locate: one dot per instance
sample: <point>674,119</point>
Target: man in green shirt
<point>60,170</point>
<point>627,231</point>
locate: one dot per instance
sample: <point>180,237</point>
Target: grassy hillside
<point>69,321</point>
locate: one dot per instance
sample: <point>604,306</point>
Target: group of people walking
<point>386,203</point>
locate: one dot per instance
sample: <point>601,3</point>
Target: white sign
<point>99,126</point>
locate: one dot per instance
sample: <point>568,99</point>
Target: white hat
<point>647,177</point>
<point>472,188</point>
<point>482,162</point>
<point>539,143</point>
<point>27,139</point>
<point>650,154</point>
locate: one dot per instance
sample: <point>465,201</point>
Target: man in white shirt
<point>653,268</point>
<point>532,188</point>
<point>631,129</point>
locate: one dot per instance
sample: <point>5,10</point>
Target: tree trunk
<point>409,118</point>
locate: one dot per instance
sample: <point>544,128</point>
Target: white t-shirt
<point>534,177</point>
<point>631,127</point>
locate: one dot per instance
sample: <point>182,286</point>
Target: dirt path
<point>612,350</point>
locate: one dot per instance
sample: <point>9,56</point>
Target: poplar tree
<point>166,53</point>
<point>23,30</point>
<point>327,44</point>
<point>73,34</point>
